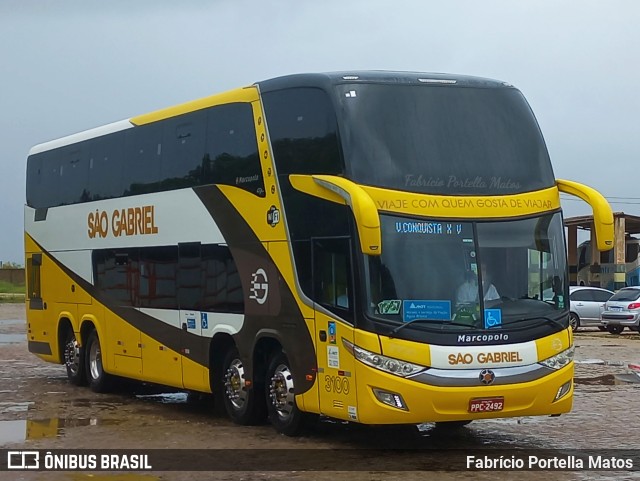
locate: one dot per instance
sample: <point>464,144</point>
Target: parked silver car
<point>586,306</point>
<point>622,310</point>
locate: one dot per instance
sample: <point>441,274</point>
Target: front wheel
<point>74,359</point>
<point>244,405</point>
<point>615,329</point>
<point>283,412</point>
<point>574,321</point>
<point>99,381</point>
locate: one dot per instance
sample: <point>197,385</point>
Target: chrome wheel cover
<point>281,391</point>
<point>72,356</point>
<point>95,360</point>
<point>234,384</point>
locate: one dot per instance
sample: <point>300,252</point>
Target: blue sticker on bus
<point>191,323</point>
<point>204,320</point>
<point>492,318</point>
<point>426,309</point>
<point>332,332</point>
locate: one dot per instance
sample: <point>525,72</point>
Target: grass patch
<point>9,288</point>
<point>11,298</point>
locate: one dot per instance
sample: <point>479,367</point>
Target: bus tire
<point>282,409</point>
<point>99,380</point>
<point>73,356</point>
<point>244,405</point>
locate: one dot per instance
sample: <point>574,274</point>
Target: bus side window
<point>231,156</point>
<point>632,252</point>
<point>332,273</point>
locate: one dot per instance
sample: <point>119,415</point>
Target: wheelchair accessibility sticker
<point>492,318</point>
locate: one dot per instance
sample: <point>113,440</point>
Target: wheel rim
<point>281,391</point>
<point>72,356</point>
<point>234,384</point>
<point>95,360</point>
<point>573,322</point>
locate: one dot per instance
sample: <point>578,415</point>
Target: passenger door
<point>582,304</point>
<point>333,294</point>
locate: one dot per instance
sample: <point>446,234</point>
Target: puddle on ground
<point>14,407</point>
<point>629,378</point>
<point>608,380</point>
<point>165,398</point>
<point>12,432</point>
<point>12,338</point>
<point>11,322</point>
<point>600,362</point>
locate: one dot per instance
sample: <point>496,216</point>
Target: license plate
<point>615,308</point>
<point>486,404</point>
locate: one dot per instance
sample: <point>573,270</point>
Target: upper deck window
<point>442,140</point>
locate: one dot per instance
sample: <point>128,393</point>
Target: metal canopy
<point>631,222</point>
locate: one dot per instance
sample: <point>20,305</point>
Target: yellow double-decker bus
<point>376,247</point>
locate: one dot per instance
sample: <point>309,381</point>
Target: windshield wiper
<point>441,322</point>
<point>524,319</point>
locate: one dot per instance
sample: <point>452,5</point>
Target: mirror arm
<point>602,214</point>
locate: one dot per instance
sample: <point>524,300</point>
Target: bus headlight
<point>384,363</point>
<point>559,360</point>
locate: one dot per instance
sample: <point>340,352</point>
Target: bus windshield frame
<point>433,271</point>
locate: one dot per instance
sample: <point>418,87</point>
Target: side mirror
<point>343,191</point>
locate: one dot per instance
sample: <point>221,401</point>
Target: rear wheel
<point>74,359</point>
<point>244,405</point>
<point>282,409</point>
<point>99,381</point>
<point>574,321</point>
<point>615,329</point>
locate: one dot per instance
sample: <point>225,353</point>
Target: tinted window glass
<point>215,145</point>
<point>116,273</point>
<point>105,166</point>
<point>303,131</point>
<point>191,276</point>
<point>601,296</point>
<point>232,150</point>
<point>626,295</point>
<point>222,288</point>
<point>156,281</point>
<point>143,147</point>
<point>35,182</point>
<point>183,151</point>
<point>442,140</point>
<point>581,295</point>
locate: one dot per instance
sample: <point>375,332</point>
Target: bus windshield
<point>483,275</point>
<point>442,139</point>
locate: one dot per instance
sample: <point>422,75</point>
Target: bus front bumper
<point>416,402</point>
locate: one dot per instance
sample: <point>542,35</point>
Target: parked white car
<point>622,310</point>
<point>586,306</point>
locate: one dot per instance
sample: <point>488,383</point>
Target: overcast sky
<point>67,66</point>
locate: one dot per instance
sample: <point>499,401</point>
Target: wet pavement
<point>40,409</point>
